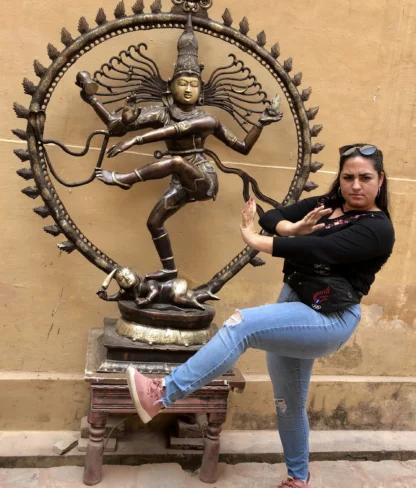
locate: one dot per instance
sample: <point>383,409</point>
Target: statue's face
<point>126,278</point>
<point>186,89</point>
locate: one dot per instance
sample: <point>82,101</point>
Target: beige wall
<point>359,59</point>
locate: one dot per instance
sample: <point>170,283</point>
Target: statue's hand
<point>102,293</point>
<point>268,117</point>
<point>130,110</point>
<point>120,147</point>
<point>131,101</point>
<point>141,302</point>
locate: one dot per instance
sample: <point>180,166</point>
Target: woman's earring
<point>339,192</point>
<point>379,190</point>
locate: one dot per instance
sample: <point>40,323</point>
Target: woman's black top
<point>355,245</point>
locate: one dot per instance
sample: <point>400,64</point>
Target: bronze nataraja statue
<point>184,128</point>
<point>129,94</point>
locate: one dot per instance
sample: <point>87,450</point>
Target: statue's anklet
<point>117,182</point>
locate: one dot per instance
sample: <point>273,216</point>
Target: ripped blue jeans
<point>293,335</point>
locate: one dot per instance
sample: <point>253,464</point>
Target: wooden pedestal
<point>110,395</point>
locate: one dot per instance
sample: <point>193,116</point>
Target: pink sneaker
<point>294,483</point>
<point>146,394</point>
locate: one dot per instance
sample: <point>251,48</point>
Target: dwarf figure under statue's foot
<point>146,291</point>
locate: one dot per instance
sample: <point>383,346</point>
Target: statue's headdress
<point>232,88</point>
<point>187,63</point>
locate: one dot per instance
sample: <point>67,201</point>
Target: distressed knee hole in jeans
<point>281,405</point>
<point>234,320</point>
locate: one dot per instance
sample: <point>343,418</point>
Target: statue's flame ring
<point>88,41</point>
<point>193,5</point>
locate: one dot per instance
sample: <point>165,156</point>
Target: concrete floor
<point>23,449</point>
<point>325,474</point>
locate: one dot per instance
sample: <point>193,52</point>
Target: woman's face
<point>359,183</point>
<point>186,89</point>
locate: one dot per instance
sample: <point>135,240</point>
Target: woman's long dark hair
<point>333,197</point>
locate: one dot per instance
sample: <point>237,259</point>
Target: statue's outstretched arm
<point>245,146</point>
<point>201,125</point>
<point>129,120</point>
<point>102,293</point>
<point>231,140</point>
<point>113,122</point>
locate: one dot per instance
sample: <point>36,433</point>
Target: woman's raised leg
<point>285,329</point>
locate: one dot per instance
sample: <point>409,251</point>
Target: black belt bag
<point>325,294</point>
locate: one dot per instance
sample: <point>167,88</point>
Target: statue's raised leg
<point>187,174</point>
<point>190,177</point>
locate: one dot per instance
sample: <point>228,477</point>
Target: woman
<point>340,241</point>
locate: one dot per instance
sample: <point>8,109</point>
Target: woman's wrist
<point>258,242</point>
<point>286,228</point>
<point>248,235</point>
<point>252,239</point>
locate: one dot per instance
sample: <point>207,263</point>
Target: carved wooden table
<point>110,395</point>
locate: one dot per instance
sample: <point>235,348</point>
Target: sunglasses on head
<point>366,150</point>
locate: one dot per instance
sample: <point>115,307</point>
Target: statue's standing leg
<point>174,199</point>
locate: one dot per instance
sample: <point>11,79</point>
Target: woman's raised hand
<point>248,216</point>
<point>248,230</point>
<point>309,223</point>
